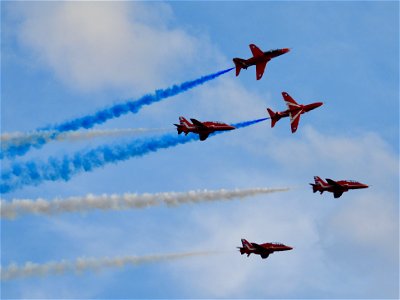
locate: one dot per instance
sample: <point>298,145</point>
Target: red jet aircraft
<point>264,250</point>
<point>202,128</point>
<point>260,59</point>
<point>335,187</point>
<point>294,111</point>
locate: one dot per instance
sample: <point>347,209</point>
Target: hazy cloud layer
<point>332,238</point>
<point>107,45</point>
<point>343,248</point>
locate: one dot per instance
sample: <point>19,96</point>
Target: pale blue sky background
<point>64,60</point>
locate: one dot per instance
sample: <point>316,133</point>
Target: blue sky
<point>66,60</point>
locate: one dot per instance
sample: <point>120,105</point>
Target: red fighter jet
<point>336,187</point>
<point>260,59</point>
<point>294,111</point>
<point>264,250</point>
<point>202,128</point>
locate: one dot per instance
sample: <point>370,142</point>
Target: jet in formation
<point>264,250</point>
<point>203,129</point>
<point>259,59</point>
<point>335,187</point>
<point>294,111</point>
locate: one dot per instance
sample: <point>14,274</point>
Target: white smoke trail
<point>80,265</point>
<point>17,207</point>
<point>19,138</point>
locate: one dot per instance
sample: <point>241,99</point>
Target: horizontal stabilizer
<point>241,250</point>
<point>238,68</point>
<point>179,128</point>
<point>239,64</point>
<point>314,187</point>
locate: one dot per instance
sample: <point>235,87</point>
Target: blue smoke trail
<point>115,111</point>
<point>248,123</point>
<point>34,173</point>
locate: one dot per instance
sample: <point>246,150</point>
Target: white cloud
<point>369,221</point>
<point>365,216</point>
<point>105,46</point>
<point>350,154</point>
<point>108,45</point>
<point>330,236</point>
<point>232,275</point>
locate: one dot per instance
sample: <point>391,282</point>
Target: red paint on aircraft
<point>294,111</point>
<point>264,250</point>
<point>203,129</point>
<point>259,59</point>
<point>336,187</point>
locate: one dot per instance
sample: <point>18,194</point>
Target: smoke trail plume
<point>18,207</point>
<point>18,138</point>
<point>34,172</point>
<point>115,111</point>
<point>80,265</point>
<point>248,123</point>
<point>12,141</point>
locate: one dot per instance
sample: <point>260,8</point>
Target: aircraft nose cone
<point>285,50</point>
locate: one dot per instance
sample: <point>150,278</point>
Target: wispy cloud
<point>123,50</point>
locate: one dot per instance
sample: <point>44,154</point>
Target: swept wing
<point>333,183</point>
<point>260,68</point>
<point>295,111</point>
<point>256,51</point>
<point>198,124</point>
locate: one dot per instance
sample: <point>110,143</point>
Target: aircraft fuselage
<point>267,56</point>
<point>259,59</point>
<point>336,187</point>
<point>345,186</point>
<point>211,127</point>
<point>302,108</point>
<point>264,250</point>
<point>203,129</point>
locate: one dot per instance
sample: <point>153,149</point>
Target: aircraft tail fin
<point>239,64</point>
<point>319,181</point>
<point>183,126</point>
<point>273,117</point>
<point>319,185</point>
<point>247,245</point>
<point>183,122</point>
